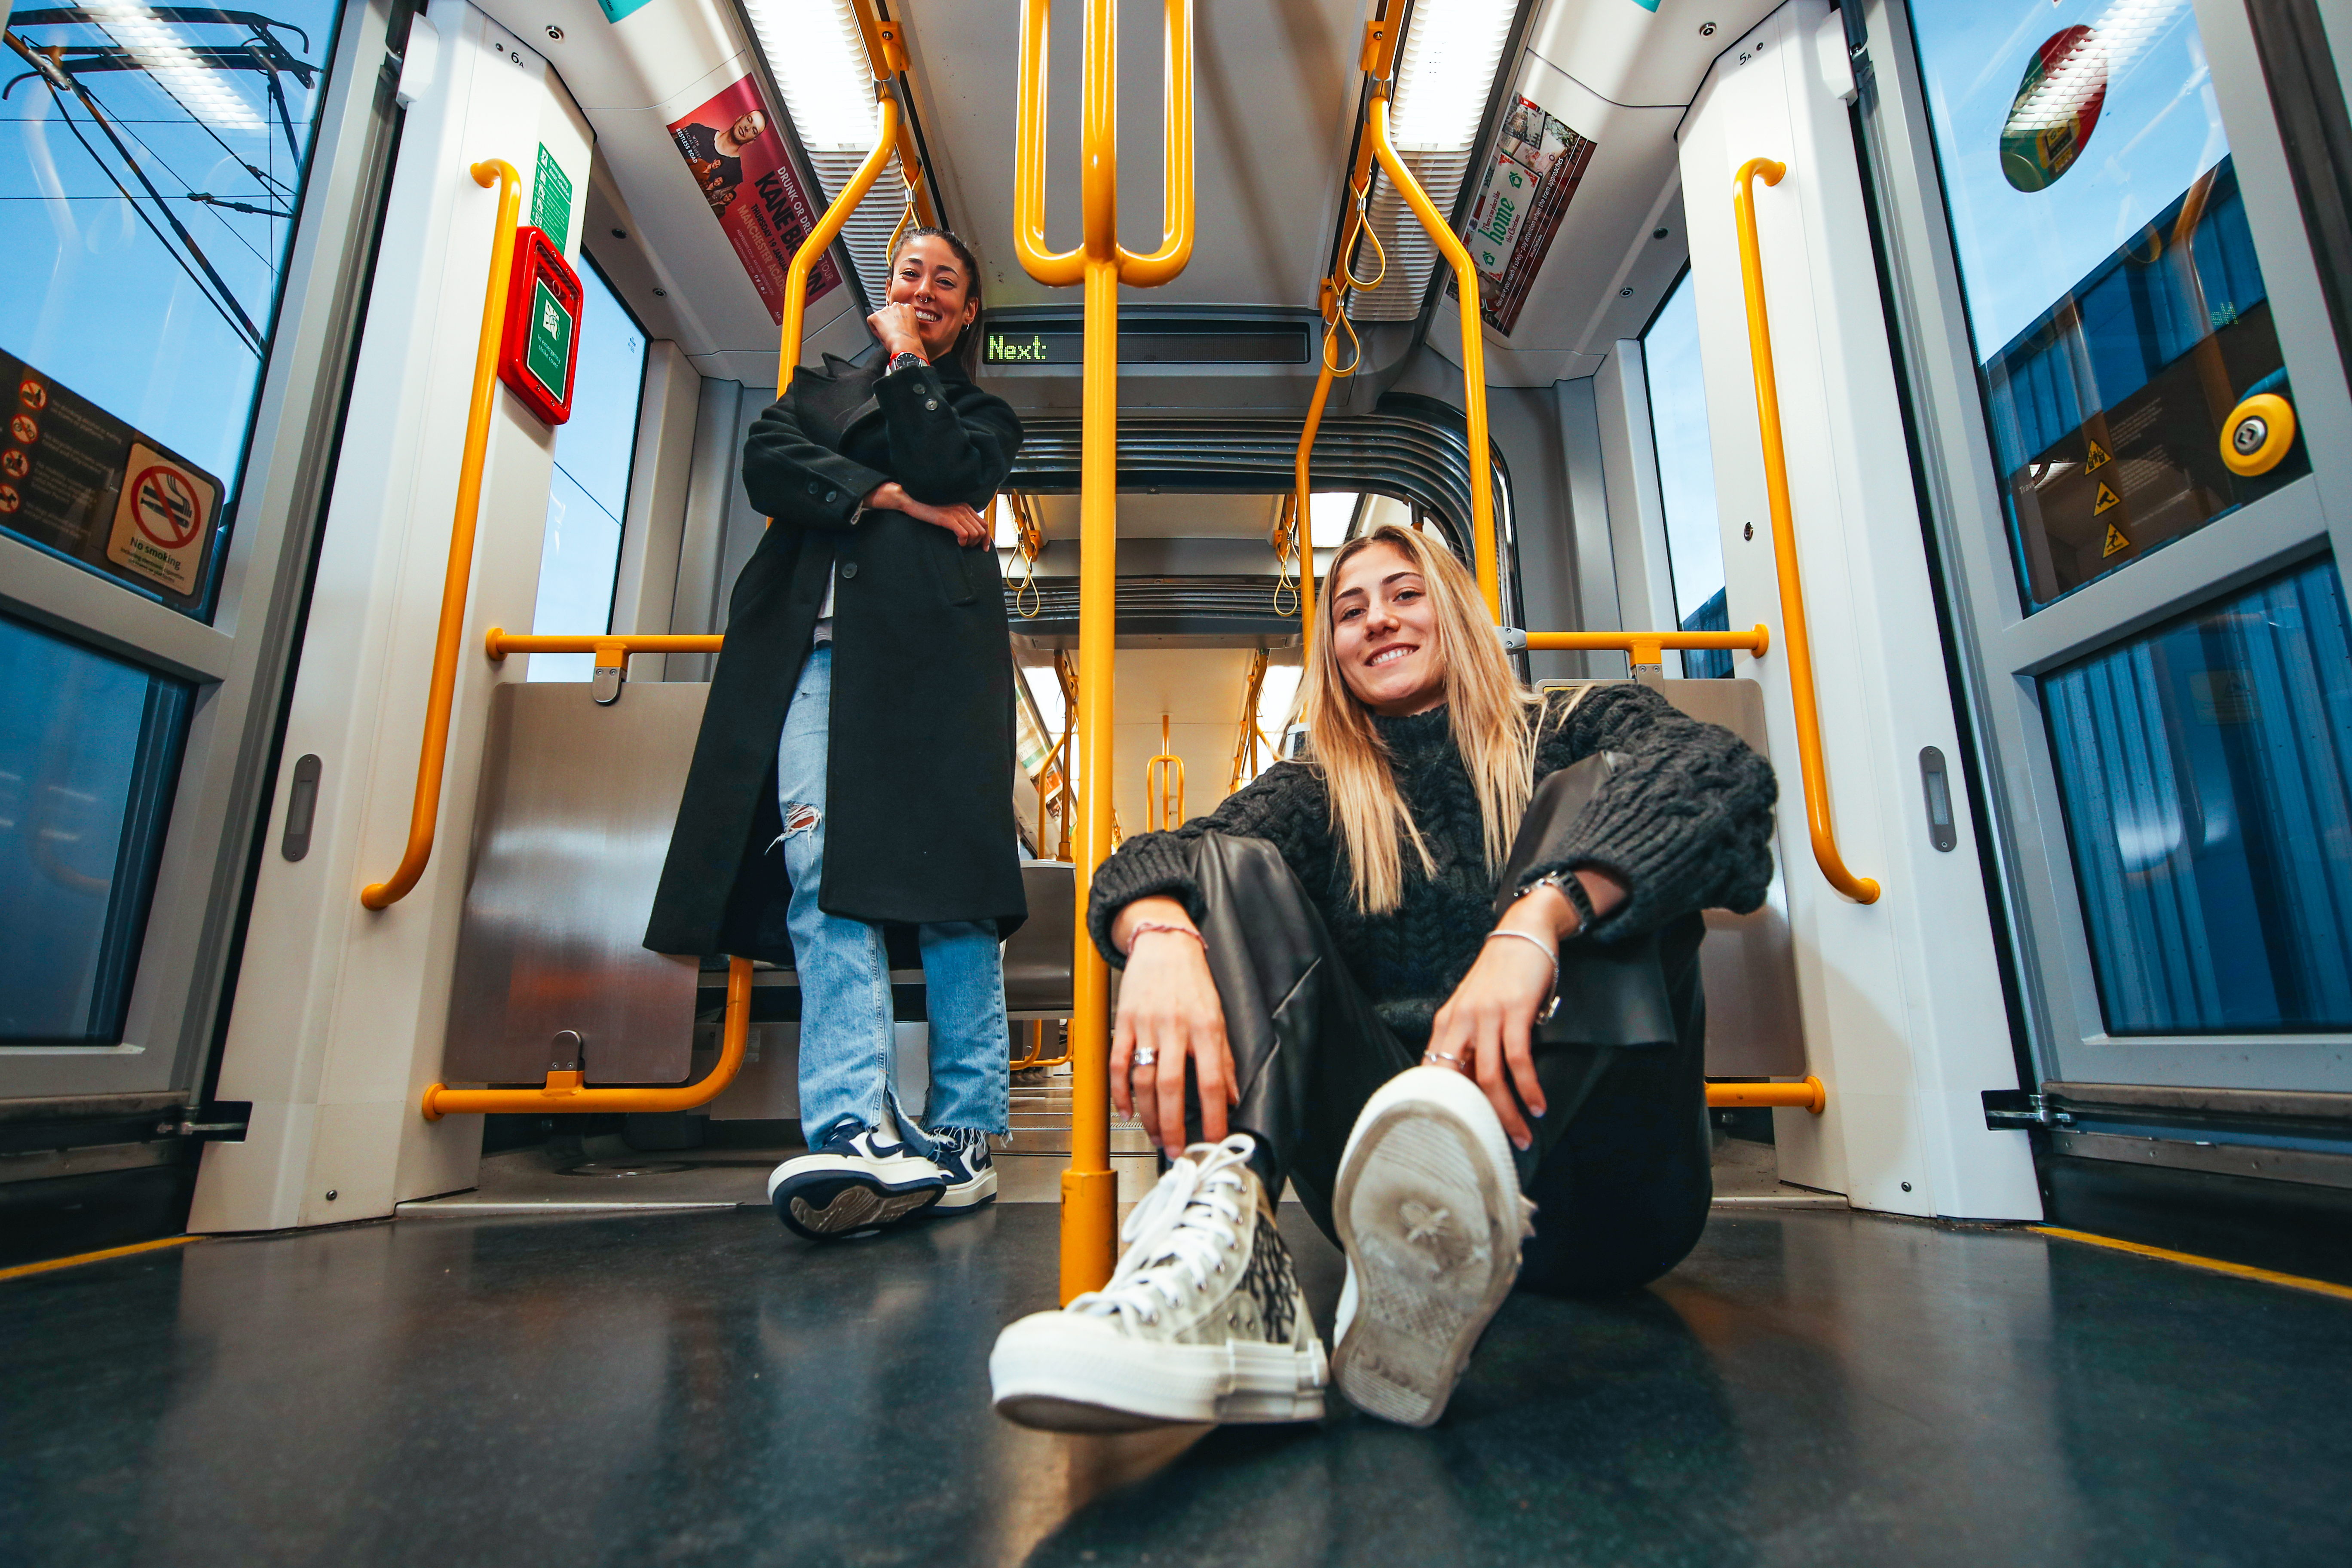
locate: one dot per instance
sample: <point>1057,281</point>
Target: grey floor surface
<point>1809,1387</point>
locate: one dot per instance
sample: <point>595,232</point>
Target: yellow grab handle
<point>1474,354</point>
<point>457,577</point>
<point>564,1093</point>
<point>1861,889</point>
<point>821,238</point>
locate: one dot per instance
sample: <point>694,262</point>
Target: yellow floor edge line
<point>99,1257</point>
<point>2213,1265</point>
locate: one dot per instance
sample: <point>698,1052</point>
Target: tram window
<point>90,752</point>
<point>2206,768</point>
<point>1686,474</point>
<point>154,174</point>
<point>2117,306</point>
<point>579,556</point>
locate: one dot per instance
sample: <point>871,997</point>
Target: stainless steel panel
<point>1038,959</point>
<point>572,824</point>
<point>1748,962</point>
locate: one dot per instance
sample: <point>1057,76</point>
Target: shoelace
<point>1178,1235</point>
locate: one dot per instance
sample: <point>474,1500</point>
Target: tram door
<point>2065,408</point>
<point>2145,443</point>
<point>184,283</point>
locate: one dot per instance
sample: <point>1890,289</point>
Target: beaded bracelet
<point>1143,926</point>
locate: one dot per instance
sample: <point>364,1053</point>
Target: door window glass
<point>1686,474</point>
<point>2206,769</point>
<point>90,750</point>
<point>579,556</point>
<point>151,164</point>
<point>2117,308</point>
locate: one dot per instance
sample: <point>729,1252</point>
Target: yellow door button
<point>2256,435</point>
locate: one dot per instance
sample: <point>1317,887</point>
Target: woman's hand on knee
<point>1485,1030</point>
<point>1169,1014</point>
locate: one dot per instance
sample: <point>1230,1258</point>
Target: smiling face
<point>931,278</point>
<point>748,128</point>
<point>1384,633</point>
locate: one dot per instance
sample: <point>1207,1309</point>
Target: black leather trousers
<point>1620,1167</point>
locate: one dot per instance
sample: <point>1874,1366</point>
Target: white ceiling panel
<point>1276,97</point>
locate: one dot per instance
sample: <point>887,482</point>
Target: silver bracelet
<point>1543,1014</point>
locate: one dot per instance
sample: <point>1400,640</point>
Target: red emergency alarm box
<point>540,346</point>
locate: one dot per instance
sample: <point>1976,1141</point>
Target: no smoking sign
<point>161,520</point>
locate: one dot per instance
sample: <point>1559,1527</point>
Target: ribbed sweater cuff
<point>1660,860</point>
<point>1157,865</point>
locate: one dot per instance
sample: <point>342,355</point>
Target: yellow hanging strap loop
<point>906,218</point>
<point>1029,543</point>
<point>1364,231</point>
<point>1285,540</point>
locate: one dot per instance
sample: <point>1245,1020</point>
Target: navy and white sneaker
<point>962,1154</point>
<point>859,1179</point>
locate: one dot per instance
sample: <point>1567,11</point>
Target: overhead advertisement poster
<point>736,155</point>
<point>83,483</point>
<point>1534,173</point>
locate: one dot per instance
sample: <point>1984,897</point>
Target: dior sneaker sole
<point>822,1197</point>
<point>1428,1209</point>
<point>1058,1374</point>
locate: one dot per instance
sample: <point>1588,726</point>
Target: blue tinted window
<point>2206,769</point>
<point>90,750</point>
<point>149,176</point>
<point>1678,386</point>
<point>2118,310</point>
<point>581,552</point>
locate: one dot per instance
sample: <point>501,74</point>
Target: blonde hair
<point>1491,714</point>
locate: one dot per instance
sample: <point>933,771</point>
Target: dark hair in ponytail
<point>966,352</point>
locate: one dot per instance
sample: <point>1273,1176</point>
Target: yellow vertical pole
<point>1089,1188</point>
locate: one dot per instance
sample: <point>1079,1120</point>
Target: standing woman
<point>855,761</point>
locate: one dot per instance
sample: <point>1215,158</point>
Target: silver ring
<point>1440,1056</point>
<point>1144,1057</point>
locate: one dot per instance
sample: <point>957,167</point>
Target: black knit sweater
<point>1684,822</point>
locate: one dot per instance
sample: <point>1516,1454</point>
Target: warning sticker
<point>161,520</point>
<point>2099,459</point>
<point>2116,543</point>
<point>2106,498</point>
<point>64,466</point>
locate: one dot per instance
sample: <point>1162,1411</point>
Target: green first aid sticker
<point>550,199</point>
<point>548,353</point>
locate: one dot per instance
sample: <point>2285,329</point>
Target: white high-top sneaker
<point>1428,1208</point>
<point>1203,1320</point>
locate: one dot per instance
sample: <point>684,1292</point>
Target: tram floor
<point>1809,1386</point>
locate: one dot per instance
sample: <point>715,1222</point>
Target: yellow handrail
<point>1163,806</point>
<point>821,238</point>
<point>565,1093</point>
<point>1861,889</point>
<point>434,754</point>
<point>1089,1189</point>
<point>1645,647</point>
<point>1474,353</point>
<point>1808,1095</point>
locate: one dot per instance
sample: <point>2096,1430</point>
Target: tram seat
<point>1748,962</point>
<point>1037,958</point>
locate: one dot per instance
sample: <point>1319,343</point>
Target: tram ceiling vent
<point>1414,449</point>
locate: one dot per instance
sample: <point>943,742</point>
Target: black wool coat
<point>919,780</point>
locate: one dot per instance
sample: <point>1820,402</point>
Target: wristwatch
<point>1569,887</point>
<point>899,361</point>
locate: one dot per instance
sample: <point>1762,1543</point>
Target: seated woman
<point>855,757</point>
<point>1503,889</point>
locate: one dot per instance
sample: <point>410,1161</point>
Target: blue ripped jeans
<point>845,1036</point>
